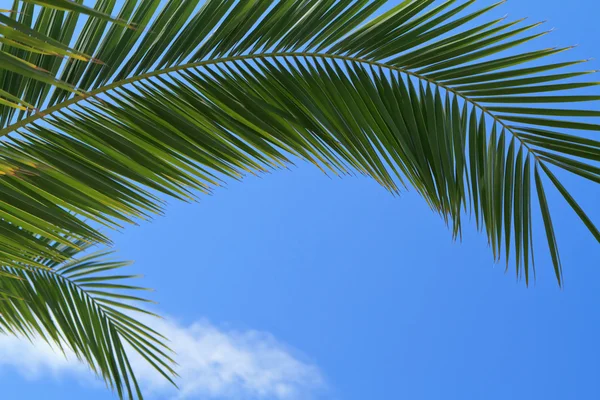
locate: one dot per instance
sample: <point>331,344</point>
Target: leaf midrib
<point>46,112</point>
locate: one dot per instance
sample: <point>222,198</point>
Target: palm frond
<point>83,305</point>
<point>435,95</point>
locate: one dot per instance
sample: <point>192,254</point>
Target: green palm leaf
<point>434,95</point>
<point>84,306</point>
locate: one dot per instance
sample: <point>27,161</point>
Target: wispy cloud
<point>213,363</point>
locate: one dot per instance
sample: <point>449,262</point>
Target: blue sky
<point>294,282</point>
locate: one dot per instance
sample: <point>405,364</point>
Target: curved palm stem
<point>137,78</point>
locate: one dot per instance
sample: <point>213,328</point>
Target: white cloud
<point>213,363</point>
<point>34,360</point>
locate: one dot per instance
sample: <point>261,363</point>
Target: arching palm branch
<point>101,117</point>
